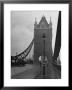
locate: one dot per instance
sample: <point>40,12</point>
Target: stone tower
<point>43,28</point>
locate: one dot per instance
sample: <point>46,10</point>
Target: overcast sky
<point>22,28</point>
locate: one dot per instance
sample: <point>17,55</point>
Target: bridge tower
<point>40,29</point>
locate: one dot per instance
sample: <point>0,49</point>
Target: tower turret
<point>35,23</point>
<point>50,23</point>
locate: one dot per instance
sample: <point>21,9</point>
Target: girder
<point>25,53</point>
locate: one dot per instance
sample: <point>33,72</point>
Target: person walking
<point>40,60</point>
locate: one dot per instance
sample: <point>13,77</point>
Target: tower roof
<point>43,22</point>
<point>43,19</point>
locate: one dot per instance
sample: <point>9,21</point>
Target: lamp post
<point>44,55</point>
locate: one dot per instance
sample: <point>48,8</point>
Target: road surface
<point>26,72</point>
<point>36,72</point>
<point>51,72</point>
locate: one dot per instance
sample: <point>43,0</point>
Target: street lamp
<point>44,45</point>
<point>44,55</point>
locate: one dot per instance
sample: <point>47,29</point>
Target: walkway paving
<point>51,72</point>
<point>35,72</point>
<point>26,72</point>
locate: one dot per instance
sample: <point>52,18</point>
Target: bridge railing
<point>20,57</point>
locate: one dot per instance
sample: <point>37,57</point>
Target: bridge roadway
<point>36,72</point>
<point>51,72</point>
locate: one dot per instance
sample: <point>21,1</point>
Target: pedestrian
<point>40,60</point>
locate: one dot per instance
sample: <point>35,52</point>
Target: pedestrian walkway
<point>50,73</point>
<point>26,72</point>
<point>35,72</point>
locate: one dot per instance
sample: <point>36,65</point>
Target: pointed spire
<point>43,19</point>
<point>43,15</point>
<point>50,20</point>
<point>35,21</point>
<point>50,23</point>
<point>35,25</point>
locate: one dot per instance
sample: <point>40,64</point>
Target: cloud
<point>20,38</point>
<point>22,28</point>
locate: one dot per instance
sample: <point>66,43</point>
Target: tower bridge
<point>42,43</point>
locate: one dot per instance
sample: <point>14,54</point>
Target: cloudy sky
<point>22,28</point>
